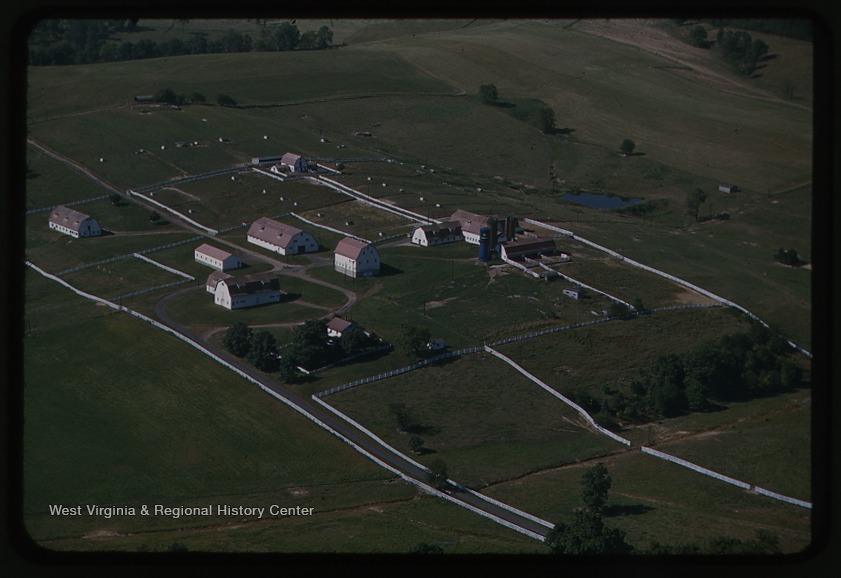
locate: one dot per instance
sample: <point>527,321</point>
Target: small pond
<point>596,201</point>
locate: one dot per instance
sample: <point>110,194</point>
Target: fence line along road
<point>406,470</point>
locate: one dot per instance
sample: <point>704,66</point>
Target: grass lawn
<point>654,500</point>
<point>484,420</point>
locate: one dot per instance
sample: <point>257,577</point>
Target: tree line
<point>59,42</point>
<point>738,367</point>
<point>310,347</point>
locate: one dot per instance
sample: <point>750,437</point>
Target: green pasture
<point>769,445</point>
<point>655,500</point>
<point>389,527</point>
<point>264,79</point>
<point>111,280</point>
<point>604,355</point>
<point>110,420</point>
<point>55,251</point>
<point>743,271</point>
<point>478,415</point>
<point>185,432</point>
<point>365,220</point>
<point>51,183</point>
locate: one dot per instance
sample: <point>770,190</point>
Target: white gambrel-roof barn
<point>437,234</point>
<point>356,258</point>
<point>73,223</point>
<point>246,291</point>
<point>295,163</point>
<point>280,237</point>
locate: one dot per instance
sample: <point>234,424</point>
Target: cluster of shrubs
<point>739,367</point>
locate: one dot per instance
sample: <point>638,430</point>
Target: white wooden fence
<point>677,280</point>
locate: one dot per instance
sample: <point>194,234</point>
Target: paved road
<point>347,430</point>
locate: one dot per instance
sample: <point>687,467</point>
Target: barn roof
<point>351,248</point>
<point>69,218</point>
<point>249,284</point>
<point>470,222</point>
<point>529,245</point>
<point>442,229</point>
<point>338,324</point>
<point>272,231</point>
<point>212,252</point>
<point>214,278</point>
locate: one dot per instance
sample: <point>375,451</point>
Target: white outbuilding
<point>216,258</point>
<point>356,258</point>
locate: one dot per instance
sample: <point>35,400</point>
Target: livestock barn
<point>247,291</point>
<point>437,234</point>
<point>356,258</point>
<point>280,237</point>
<point>527,247</point>
<point>73,223</point>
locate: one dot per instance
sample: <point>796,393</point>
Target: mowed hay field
<point>413,87</point>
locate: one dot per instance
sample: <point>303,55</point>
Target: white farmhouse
<point>216,258</point>
<point>247,291</point>
<point>280,237</point>
<point>73,223</point>
<point>337,327</point>
<point>356,258</point>
<point>437,234</point>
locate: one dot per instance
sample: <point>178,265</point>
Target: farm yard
<point>397,120</point>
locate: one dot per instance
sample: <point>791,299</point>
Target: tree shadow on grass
<point>289,297</point>
<point>616,510</point>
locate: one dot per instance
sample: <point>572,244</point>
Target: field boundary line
<point>560,396</point>
<point>164,267</point>
<point>723,478</point>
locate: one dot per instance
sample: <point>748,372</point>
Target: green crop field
<point>118,413</point>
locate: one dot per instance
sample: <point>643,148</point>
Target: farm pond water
<point>596,201</point>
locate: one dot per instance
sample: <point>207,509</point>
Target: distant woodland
<point>57,42</point>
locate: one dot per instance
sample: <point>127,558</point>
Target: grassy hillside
<point>408,91</point>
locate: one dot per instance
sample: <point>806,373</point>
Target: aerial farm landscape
<point>521,287</point>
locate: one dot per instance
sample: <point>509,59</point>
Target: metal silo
<point>494,234</point>
<point>484,244</point>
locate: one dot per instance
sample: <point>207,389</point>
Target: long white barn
<point>216,258</point>
<point>280,237</point>
<point>73,223</point>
